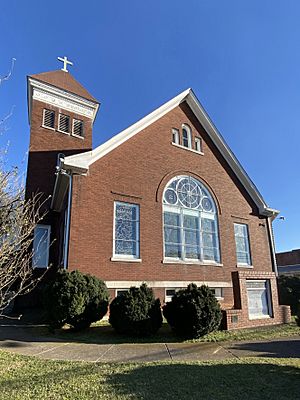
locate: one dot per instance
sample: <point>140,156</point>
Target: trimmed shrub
<point>298,316</point>
<point>289,291</point>
<point>136,312</point>
<point>76,299</point>
<point>193,312</point>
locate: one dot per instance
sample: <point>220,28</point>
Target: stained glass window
<point>242,244</point>
<point>41,246</point>
<point>126,237</point>
<point>190,221</point>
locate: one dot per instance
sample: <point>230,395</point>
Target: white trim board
<point>164,284</point>
<point>84,160</point>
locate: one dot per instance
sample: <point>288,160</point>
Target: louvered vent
<point>64,123</point>
<point>49,118</point>
<point>78,127</point>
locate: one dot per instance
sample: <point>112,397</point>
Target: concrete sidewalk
<point>17,340</point>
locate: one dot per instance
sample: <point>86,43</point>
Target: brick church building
<point>164,202</point>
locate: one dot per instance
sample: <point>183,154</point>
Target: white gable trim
<point>84,160</point>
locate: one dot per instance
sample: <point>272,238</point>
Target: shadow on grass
<point>238,381</point>
<point>234,380</point>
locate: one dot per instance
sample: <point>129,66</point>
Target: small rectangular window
<point>169,293</point>
<point>41,243</point>
<point>241,235</point>
<point>175,136</point>
<point>126,231</point>
<point>198,144</point>
<point>218,292</point>
<point>48,119</point>
<point>64,123</point>
<point>121,292</point>
<point>77,127</point>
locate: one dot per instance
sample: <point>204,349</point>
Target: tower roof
<point>64,80</point>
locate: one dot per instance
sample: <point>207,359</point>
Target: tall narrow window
<point>242,244</point>
<point>48,119</point>
<point>126,233</point>
<point>198,144</point>
<point>77,127</point>
<point>190,222</point>
<point>41,242</point>
<point>175,136</point>
<point>186,137</point>
<point>64,123</point>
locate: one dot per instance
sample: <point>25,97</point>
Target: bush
<point>136,312</point>
<point>289,291</point>
<point>76,299</point>
<point>193,312</point>
<point>298,316</point>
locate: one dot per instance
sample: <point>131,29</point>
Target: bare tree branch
<point>8,75</point>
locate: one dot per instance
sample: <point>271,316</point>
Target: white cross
<point>66,62</point>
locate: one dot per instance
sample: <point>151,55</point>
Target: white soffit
<point>84,160</point>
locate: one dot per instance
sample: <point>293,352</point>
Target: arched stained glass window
<point>190,221</point>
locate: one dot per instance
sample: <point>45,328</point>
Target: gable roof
<point>81,162</point>
<point>64,80</point>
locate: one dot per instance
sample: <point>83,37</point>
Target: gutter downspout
<point>68,221</point>
<point>272,245</point>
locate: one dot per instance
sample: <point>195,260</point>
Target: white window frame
<point>268,297</point>
<point>127,257</point>
<point>120,290</point>
<point>198,145</point>
<point>189,136</point>
<point>218,292</point>
<point>73,123</point>
<point>48,228</point>
<point>242,264</point>
<point>175,136</point>
<point>43,123</point>
<point>59,117</point>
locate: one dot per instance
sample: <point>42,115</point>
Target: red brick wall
<point>45,144</point>
<point>137,172</point>
<point>288,257</point>
<point>238,317</point>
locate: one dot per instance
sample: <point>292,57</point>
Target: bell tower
<point>61,115</point>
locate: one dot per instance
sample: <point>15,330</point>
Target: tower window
<point>175,136</point>
<point>198,144</point>
<point>78,128</point>
<point>64,123</point>
<point>186,137</point>
<point>48,119</point>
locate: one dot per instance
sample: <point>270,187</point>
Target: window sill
<point>120,259</point>
<point>66,133</point>
<point>185,262</point>
<point>187,148</point>
<point>244,266</point>
<point>48,127</point>
<point>77,136</point>
<point>260,317</point>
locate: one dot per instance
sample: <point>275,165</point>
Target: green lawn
<point>103,333</point>
<point>23,378</point>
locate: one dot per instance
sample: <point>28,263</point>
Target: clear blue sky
<point>242,58</point>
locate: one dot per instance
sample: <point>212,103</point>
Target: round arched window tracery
<point>190,221</point>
